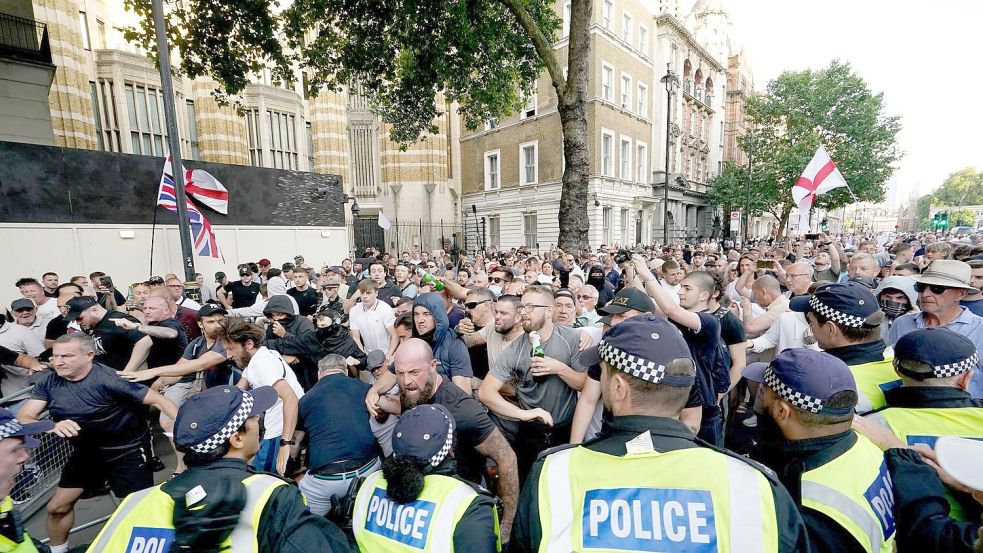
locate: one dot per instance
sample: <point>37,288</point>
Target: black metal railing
<point>24,38</point>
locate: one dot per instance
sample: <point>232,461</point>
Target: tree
<point>409,56</point>
<point>962,217</point>
<point>963,187</point>
<point>800,111</point>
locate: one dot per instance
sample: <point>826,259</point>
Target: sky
<point>923,56</point>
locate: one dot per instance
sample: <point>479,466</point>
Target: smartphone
<point>106,281</point>
<point>764,264</point>
<point>812,236</point>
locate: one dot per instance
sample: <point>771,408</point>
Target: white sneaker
<point>751,422</point>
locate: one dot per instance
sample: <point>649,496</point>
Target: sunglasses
<point>497,280</point>
<point>23,310</point>
<point>935,288</point>
<point>473,304</point>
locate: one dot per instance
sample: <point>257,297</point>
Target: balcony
<point>24,39</point>
<point>698,93</point>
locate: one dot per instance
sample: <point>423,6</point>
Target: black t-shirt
<point>703,347</point>
<point>479,358</point>
<point>106,407</point>
<point>243,295</point>
<point>224,373</point>
<point>390,293</point>
<point>56,328</point>
<point>731,328</point>
<point>167,352</point>
<point>114,344</point>
<point>473,427</point>
<point>333,414</point>
<point>7,356</point>
<point>306,300</point>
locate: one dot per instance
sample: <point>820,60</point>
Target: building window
<point>643,40</point>
<point>624,228</point>
<point>566,20</point>
<point>310,147</point>
<point>283,140</point>
<point>100,33</point>
<point>607,82</point>
<point>495,230</point>
<point>529,228</point>
<point>606,215</point>
<point>529,105</point>
<point>192,128</point>
<point>529,163</point>
<point>625,153</point>
<point>96,113</point>
<point>626,28</point>
<point>493,170</point>
<point>305,83</point>
<point>625,92</point>
<point>607,153</point>
<point>253,141</point>
<point>147,129</point>
<point>641,162</point>
<point>607,15</point>
<point>84,23</point>
<point>491,124</point>
<point>642,101</point>
<point>110,118</point>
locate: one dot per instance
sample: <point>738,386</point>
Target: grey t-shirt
<point>550,393</point>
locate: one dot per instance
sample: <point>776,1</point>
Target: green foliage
<point>802,110</point>
<point>962,217</point>
<point>963,187</point>
<point>408,56</point>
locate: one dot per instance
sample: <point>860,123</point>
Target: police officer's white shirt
<point>266,368</point>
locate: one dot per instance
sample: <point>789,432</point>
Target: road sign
<point>735,221</point>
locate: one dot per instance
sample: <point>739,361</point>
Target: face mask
<point>894,309</point>
<point>495,289</point>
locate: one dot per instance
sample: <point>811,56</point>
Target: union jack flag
<point>202,235</point>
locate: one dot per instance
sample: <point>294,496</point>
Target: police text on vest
<point>649,519</point>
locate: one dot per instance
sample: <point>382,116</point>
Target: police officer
<point>839,478</point>
<point>219,503</point>
<point>648,484</point>
<point>935,365</point>
<point>845,319</point>
<point>15,440</point>
<point>416,503</point>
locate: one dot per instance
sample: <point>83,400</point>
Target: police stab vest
<point>873,379</point>
<point>925,426</point>
<point>695,500</point>
<point>424,524</point>
<point>7,545</point>
<point>143,522</point>
<point>854,490</point>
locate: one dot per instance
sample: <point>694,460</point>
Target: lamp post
<point>747,191</point>
<point>670,81</point>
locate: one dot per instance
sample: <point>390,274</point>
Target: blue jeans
<point>265,459</point>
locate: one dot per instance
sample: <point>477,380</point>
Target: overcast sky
<point>924,57</point>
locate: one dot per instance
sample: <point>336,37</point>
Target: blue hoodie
<point>449,350</point>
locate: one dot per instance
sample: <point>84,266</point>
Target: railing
<point>405,235</point>
<point>24,39</point>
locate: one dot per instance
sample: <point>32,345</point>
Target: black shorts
<point>127,471</point>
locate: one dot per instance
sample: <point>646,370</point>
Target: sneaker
<point>751,422</point>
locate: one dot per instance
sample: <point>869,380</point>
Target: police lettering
<point>880,497</point>
<point>150,540</point>
<point>645,519</point>
<point>406,523</point>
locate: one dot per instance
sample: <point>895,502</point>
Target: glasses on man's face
<point>934,288</point>
<point>579,297</point>
<point>24,310</point>
<point>529,307</point>
<point>496,280</point>
<point>473,304</point>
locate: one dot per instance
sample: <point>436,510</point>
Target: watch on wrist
<point>286,442</point>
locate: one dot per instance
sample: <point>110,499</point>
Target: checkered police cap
<point>230,428</point>
<point>796,398</point>
<point>946,352</point>
<point>10,428</point>
<point>953,369</point>
<point>445,449</point>
<point>838,317</point>
<point>648,371</point>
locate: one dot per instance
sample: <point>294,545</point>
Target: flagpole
<point>177,168</point>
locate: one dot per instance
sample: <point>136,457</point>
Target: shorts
<point>180,392</point>
<point>126,472</point>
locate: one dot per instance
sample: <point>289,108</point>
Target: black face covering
<point>894,309</point>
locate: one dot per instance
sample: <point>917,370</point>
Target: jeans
<point>265,459</point>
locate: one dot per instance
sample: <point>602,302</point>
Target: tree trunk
<point>783,220</point>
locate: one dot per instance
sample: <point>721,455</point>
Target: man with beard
<point>406,287</point>
<point>476,436</point>
<point>329,337</point>
<point>480,305</point>
<point>546,386</point>
<point>505,329</point>
<point>116,347</point>
<point>430,324</point>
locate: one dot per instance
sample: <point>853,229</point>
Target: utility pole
<point>174,142</point>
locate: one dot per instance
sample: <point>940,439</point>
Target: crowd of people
<point>822,393</point>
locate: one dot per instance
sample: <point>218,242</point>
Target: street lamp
<point>747,191</point>
<point>671,82</point>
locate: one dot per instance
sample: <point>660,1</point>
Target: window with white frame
<point>253,138</point>
<point>643,40</point>
<point>189,107</point>
<point>530,225</point>
<point>566,20</point>
<point>529,162</point>
<point>491,124</point>
<point>283,139</point>
<point>624,228</point>
<point>626,27</point>
<point>641,162</point>
<point>148,134</point>
<point>107,121</point>
<point>309,129</point>
<point>493,170</point>
<point>606,215</point>
<point>625,92</point>
<point>642,101</point>
<point>495,230</point>
<point>84,24</point>
<point>607,15</point>
<point>625,152</point>
<point>529,103</point>
<point>607,153</point>
<point>607,82</point>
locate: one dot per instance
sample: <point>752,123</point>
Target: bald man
<point>768,295</point>
<point>476,436</point>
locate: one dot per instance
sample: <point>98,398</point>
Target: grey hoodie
<point>902,284</point>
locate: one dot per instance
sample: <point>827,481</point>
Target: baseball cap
<point>298,259</point>
<point>961,458</point>
<point>211,309</point>
<point>10,427</point>
<point>642,347</point>
<point>337,270</point>
<point>626,299</point>
<point>155,280</point>
<point>207,419</point>
<point>847,304</point>
<point>287,266</point>
<point>243,271</point>
<point>948,353</point>
<point>21,303</point>
<point>219,276</point>
<point>564,293</point>
<point>77,305</point>
<point>425,432</point>
<point>264,262</point>
<point>374,359</point>
<point>805,378</point>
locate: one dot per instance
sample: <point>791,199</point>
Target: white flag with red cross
<point>820,176</point>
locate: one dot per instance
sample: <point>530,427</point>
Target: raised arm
<point>662,299</point>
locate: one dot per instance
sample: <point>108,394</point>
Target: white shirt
<point>372,325</point>
<point>672,290</point>
<point>788,331</point>
<point>38,327</point>
<point>190,303</point>
<point>48,311</point>
<point>20,339</point>
<point>266,368</point>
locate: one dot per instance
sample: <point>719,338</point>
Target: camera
<point>623,256</point>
